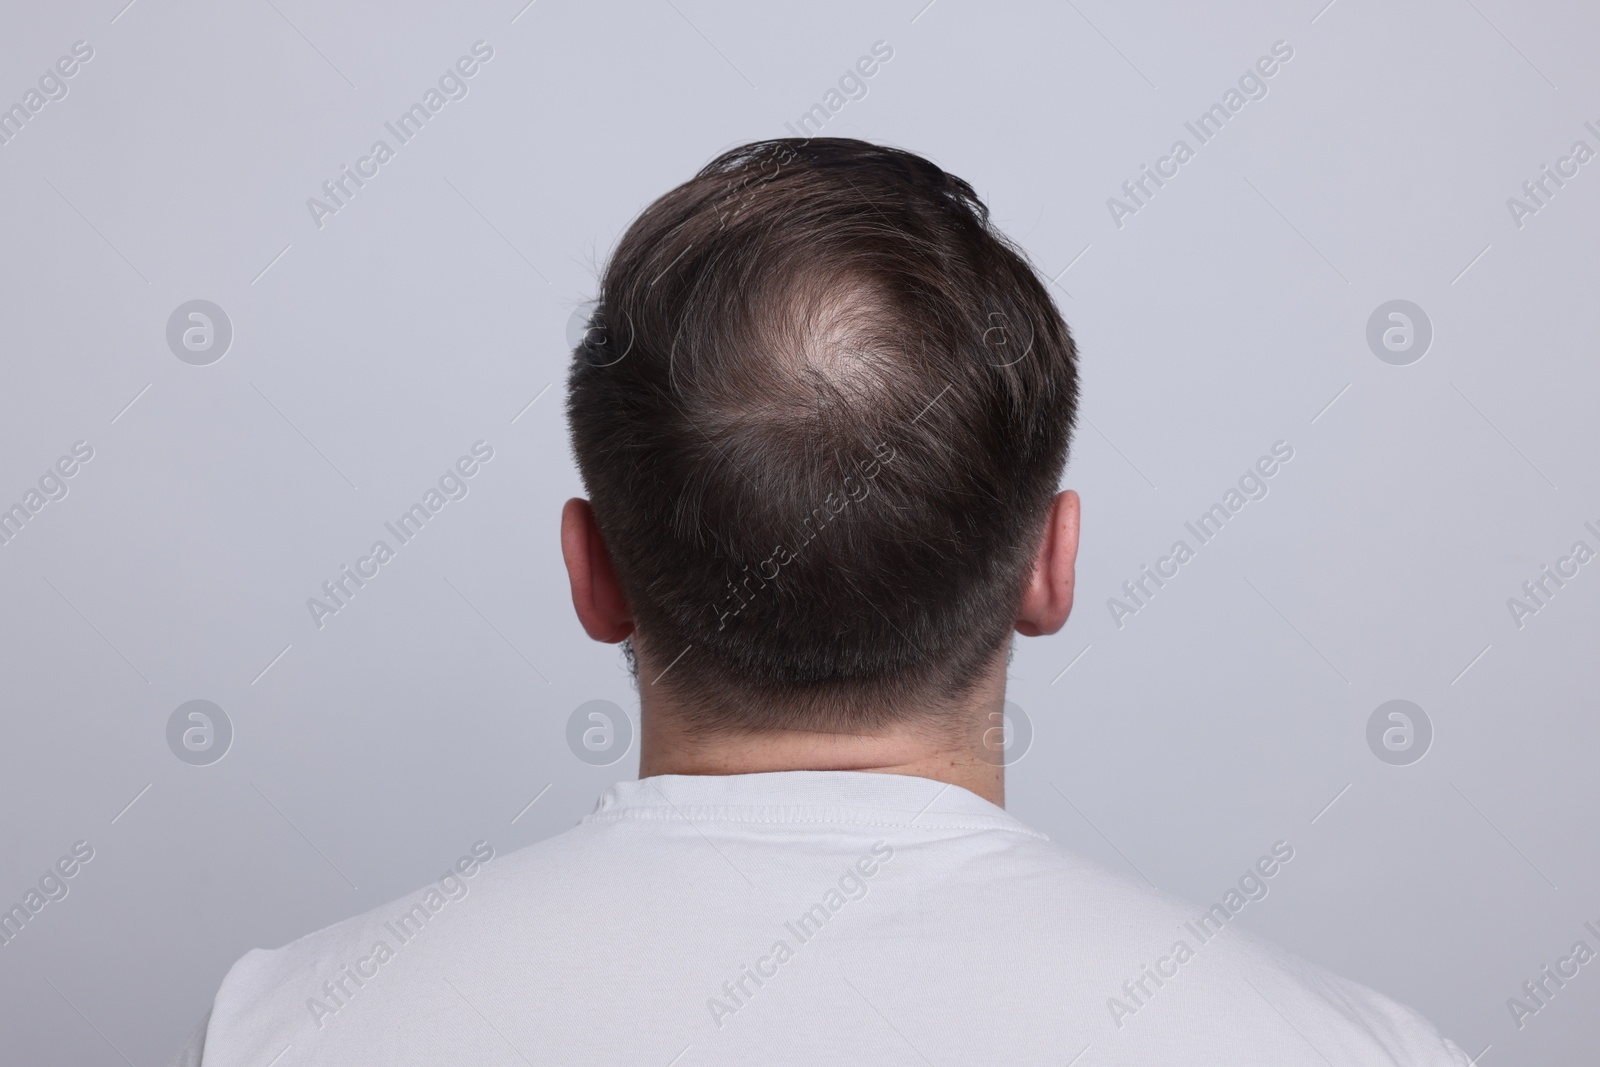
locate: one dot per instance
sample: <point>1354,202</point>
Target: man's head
<point>821,412</point>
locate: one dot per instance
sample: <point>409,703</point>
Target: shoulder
<point>1151,971</point>
<point>274,998</point>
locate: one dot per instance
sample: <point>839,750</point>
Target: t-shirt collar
<point>863,798</point>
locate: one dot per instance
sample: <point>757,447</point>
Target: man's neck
<point>961,751</point>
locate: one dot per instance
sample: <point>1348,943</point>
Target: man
<point>822,412</point>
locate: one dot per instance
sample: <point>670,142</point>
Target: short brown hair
<point>821,411</point>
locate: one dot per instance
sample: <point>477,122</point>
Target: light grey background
<point>1229,313</point>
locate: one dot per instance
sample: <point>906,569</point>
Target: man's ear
<point>1047,600</point>
<point>596,594</point>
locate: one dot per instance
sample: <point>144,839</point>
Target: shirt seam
<point>944,822</point>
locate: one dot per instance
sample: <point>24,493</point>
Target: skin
<point>946,755</point>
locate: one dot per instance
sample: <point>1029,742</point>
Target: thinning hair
<point>821,410</point>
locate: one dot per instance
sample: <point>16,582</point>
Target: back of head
<point>821,412</point>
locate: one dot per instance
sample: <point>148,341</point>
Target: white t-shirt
<point>799,917</point>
